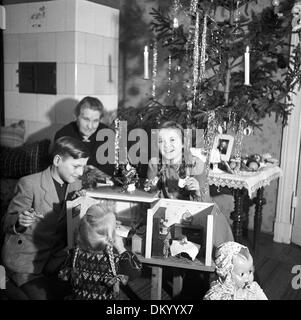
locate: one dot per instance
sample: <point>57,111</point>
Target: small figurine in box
<point>234,267</point>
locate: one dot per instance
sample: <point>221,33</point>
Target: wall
<point>134,91</point>
<point>82,38</point>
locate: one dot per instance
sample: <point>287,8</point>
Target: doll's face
<point>243,270</point>
<point>170,144</point>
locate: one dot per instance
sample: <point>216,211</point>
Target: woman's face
<point>170,144</point>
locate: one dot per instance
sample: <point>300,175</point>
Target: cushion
<point>24,160</point>
<point>13,135</point>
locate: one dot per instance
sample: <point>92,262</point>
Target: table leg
<point>177,283</point>
<point>156,285</point>
<point>259,203</point>
<point>247,203</point>
<point>238,215</point>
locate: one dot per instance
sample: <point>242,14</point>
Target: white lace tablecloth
<point>252,181</point>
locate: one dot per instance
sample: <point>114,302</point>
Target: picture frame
<point>224,143</point>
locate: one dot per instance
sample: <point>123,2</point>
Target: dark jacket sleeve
<point>129,265</point>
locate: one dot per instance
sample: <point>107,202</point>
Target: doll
<point>235,271</point>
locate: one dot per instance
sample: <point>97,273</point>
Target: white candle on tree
<point>247,66</point>
<point>146,70</point>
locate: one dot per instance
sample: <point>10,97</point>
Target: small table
<point>244,184</point>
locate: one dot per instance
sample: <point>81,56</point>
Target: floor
<point>273,271</point>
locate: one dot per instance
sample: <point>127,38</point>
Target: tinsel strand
<point>117,138</point>
<point>196,57</point>
<point>238,142</point>
<point>209,140</point>
<point>193,6</point>
<point>169,75</point>
<point>154,71</point>
<point>203,50</point>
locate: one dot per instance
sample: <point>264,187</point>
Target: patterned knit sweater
<point>91,273</point>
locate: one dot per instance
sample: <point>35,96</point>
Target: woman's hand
<point>193,185</point>
<point>118,244</point>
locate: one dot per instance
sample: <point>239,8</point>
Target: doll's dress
<point>252,292</point>
<point>225,290</point>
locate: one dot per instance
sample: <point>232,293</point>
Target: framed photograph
<point>224,143</point>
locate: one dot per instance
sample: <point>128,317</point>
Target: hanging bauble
<point>189,105</point>
<point>175,23</point>
<point>187,84</point>
<point>220,129</point>
<point>237,31</point>
<point>225,127</point>
<point>165,43</point>
<point>140,115</point>
<point>247,131</point>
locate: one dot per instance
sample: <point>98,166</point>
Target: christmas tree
<point>205,57</point>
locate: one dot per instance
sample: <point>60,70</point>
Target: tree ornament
<point>220,129</point>
<point>238,141</point>
<point>238,31</point>
<point>169,75</point>
<point>117,138</point>
<point>296,23</point>
<point>203,49</point>
<point>196,57</point>
<point>247,131</point>
<point>155,64</point>
<point>193,6</point>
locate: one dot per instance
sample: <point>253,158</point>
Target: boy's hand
<point>28,217</point>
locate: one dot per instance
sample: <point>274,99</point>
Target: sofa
<point>19,158</point>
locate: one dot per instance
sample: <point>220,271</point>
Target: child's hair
<point>70,147</point>
<point>97,227</point>
<point>172,125</point>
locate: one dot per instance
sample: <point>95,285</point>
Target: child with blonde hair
<point>99,262</point>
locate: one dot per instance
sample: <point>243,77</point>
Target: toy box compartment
<point>177,222</point>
